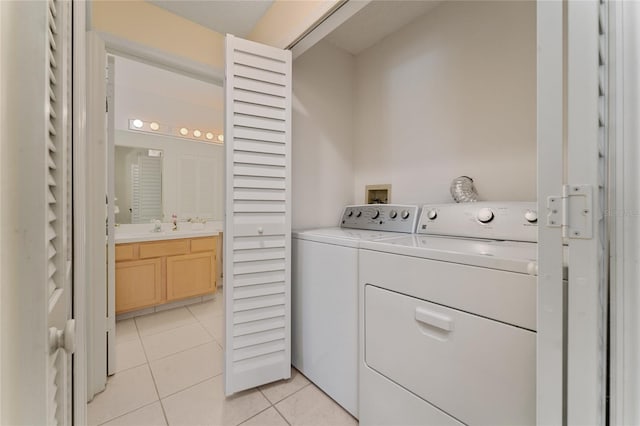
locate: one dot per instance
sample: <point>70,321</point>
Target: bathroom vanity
<point>157,268</point>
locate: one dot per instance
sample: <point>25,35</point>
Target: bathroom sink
<point>138,236</point>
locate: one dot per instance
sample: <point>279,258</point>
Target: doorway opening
<point>164,215</point>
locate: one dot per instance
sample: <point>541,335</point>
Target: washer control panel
<point>381,217</point>
<point>512,221</point>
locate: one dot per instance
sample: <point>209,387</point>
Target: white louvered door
<point>257,239</point>
<point>587,118</point>
<point>59,227</point>
<point>36,250</point>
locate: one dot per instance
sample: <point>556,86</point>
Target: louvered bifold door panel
<point>58,150</point>
<point>258,218</point>
<point>587,118</point>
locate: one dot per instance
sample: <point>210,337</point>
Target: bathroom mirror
<point>185,179</point>
<point>138,184</point>
<point>181,117</point>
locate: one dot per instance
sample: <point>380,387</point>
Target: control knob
<point>375,214</point>
<point>358,214</point>
<point>485,215</point>
<point>432,214</point>
<point>531,216</point>
<point>393,214</point>
<point>404,214</point>
<point>350,213</point>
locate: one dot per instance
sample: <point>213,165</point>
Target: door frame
<point>624,106</point>
<point>79,174</point>
<point>551,331</point>
<point>83,162</point>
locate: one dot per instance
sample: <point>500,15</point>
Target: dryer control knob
<point>358,214</point>
<point>531,216</point>
<point>393,214</point>
<point>350,213</point>
<point>432,214</point>
<point>485,215</point>
<point>404,214</point>
<point>375,214</point>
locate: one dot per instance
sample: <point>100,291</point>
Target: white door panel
<point>111,218</point>
<point>550,359</point>
<point>96,252</point>
<point>572,108</point>
<point>258,220</point>
<point>587,94</point>
<point>36,107</point>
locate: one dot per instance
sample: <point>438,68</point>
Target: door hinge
<point>111,324</point>
<point>573,211</point>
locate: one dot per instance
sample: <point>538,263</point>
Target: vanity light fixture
<point>153,127</point>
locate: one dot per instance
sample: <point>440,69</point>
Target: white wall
<point>322,132</point>
<point>171,99</point>
<point>176,182</point>
<point>452,93</point>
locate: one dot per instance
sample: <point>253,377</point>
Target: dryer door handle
<point>434,319</point>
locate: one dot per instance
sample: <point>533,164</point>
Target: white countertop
<point>135,233</point>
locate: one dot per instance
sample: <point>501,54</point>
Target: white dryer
<point>325,295</point>
<point>448,319</point>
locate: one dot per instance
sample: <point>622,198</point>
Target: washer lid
<point>510,256</point>
<point>343,236</point>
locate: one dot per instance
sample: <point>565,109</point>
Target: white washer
<point>447,323</point>
<point>325,295</point>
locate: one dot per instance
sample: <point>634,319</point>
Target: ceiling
<point>377,20</point>
<point>237,17</point>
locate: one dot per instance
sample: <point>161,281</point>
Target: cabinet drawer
<point>480,371</point>
<point>203,244</point>
<point>164,248</point>
<point>125,252</point>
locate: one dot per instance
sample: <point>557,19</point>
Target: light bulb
<point>209,135</point>
<point>184,131</point>
<point>197,133</point>
<point>221,138</point>
<point>154,125</point>
<point>138,123</point>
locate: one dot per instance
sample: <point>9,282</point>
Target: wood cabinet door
<point>190,275</point>
<point>138,284</point>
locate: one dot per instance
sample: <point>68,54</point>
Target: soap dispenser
<point>174,220</point>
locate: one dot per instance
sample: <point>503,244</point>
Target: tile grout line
<point>148,362</point>
<point>155,385</point>
<point>128,412</point>
<point>282,415</point>
<point>164,357</point>
<point>255,415</point>
<point>180,351</point>
<point>193,316</point>
<point>174,327</point>
<point>286,397</point>
<point>190,386</point>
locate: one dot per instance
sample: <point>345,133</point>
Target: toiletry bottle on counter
<point>174,220</point>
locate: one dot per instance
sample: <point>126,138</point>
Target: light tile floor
<point>169,372</point>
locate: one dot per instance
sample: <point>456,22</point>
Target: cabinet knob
<point>260,230</point>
